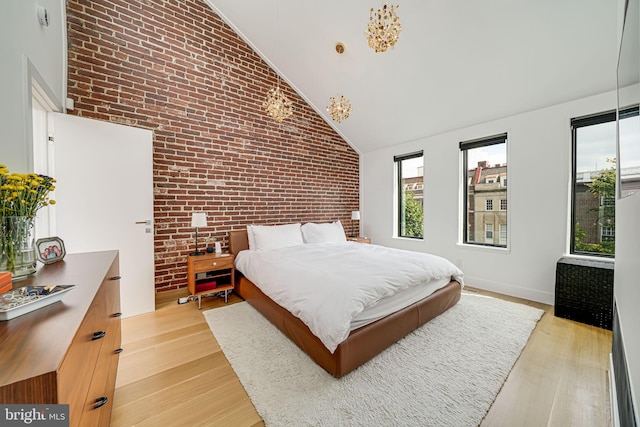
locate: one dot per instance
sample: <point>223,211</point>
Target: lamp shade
<point>198,219</point>
<point>355,215</point>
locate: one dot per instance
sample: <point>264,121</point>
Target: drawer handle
<point>98,335</point>
<point>101,401</point>
<point>118,314</point>
<point>214,263</point>
<point>118,351</point>
<point>115,278</point>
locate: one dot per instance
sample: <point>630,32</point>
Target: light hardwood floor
<point>173,373</point>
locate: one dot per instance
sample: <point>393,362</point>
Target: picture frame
<point>50,250</point>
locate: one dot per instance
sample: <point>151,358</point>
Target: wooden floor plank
<point>558,379</point>
<point>173,373</point>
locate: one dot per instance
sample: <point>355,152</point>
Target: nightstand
<point>214,266</point>
<point>359,239</point>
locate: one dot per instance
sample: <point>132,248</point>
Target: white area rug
<point>447,373</point>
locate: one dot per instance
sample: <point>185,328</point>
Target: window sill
<point>484,248</point>
<point>589,258</point>
<point>409,239</point>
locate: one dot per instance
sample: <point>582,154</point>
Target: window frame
<point>464,147</point>
<point>577,123</point>
<point>399,212</point>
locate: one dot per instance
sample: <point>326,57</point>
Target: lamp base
<point>196,253</point>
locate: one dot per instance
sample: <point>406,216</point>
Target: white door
<point>104,199</point>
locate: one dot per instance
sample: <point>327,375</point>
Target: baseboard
<point>613,395</point>
<point>514,291</point>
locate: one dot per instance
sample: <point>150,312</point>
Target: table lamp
<point>355,215</point>
<point>198,219</point>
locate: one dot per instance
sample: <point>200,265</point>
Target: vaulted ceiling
<point>457,62</point>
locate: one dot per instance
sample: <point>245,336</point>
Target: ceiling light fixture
<point>384,28</point>
<point>339,107</point>
<point>277,104</point>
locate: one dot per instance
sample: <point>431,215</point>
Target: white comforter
<point>327,284</point>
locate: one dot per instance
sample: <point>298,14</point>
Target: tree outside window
<point>414,216</point>
<point>410,195</point>
<point>602,188</point>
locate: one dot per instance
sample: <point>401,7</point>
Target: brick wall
<point>174,67</point>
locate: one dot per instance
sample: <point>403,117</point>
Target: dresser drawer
<point>76,370</point>
<point>212,264</point>
<point>97,406</point>
<point>96,410</point>
<point>82,378</point>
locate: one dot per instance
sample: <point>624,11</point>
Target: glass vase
<point>17,243</point>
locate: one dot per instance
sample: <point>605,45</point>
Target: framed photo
<point>50,250</point>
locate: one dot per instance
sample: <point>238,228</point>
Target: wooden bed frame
<point>363,343</point>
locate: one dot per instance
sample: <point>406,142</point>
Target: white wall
<point>627,286</point>
<point>28,50</point>
<point>539,162</point>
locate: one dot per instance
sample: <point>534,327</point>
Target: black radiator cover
<point>584,291</point>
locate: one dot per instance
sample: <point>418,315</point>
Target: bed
<point>360,344</point>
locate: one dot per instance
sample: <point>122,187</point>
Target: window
<point>488,233</point>
<point>485,175</point>
<point>608,201</point>
<point>608,233</point>
<point>503,234</point>
<point>410,197</point>
<point>593,207</point>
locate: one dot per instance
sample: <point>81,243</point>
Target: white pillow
<point>323,233</point>
<point>252,240</point>
<point>266,237</point>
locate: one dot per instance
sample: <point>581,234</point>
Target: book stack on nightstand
<point>218,271</point>
<point>359,239</point>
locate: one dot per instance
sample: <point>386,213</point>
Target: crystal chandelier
<point>277,105</point>
<point>384,28</point>
<point>339,108</point>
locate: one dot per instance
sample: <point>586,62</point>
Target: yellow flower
<point>52,202</point>
<point>23,194</point>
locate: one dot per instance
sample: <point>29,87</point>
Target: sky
<point>494,155</point>
<point>597,143</point>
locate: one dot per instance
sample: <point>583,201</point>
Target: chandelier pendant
<point>277,105</point>
<point>384,28</point>
<point>339,108</point>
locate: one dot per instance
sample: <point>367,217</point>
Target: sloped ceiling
<point>457,62</point>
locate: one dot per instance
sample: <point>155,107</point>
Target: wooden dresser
<point>67,352</point>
